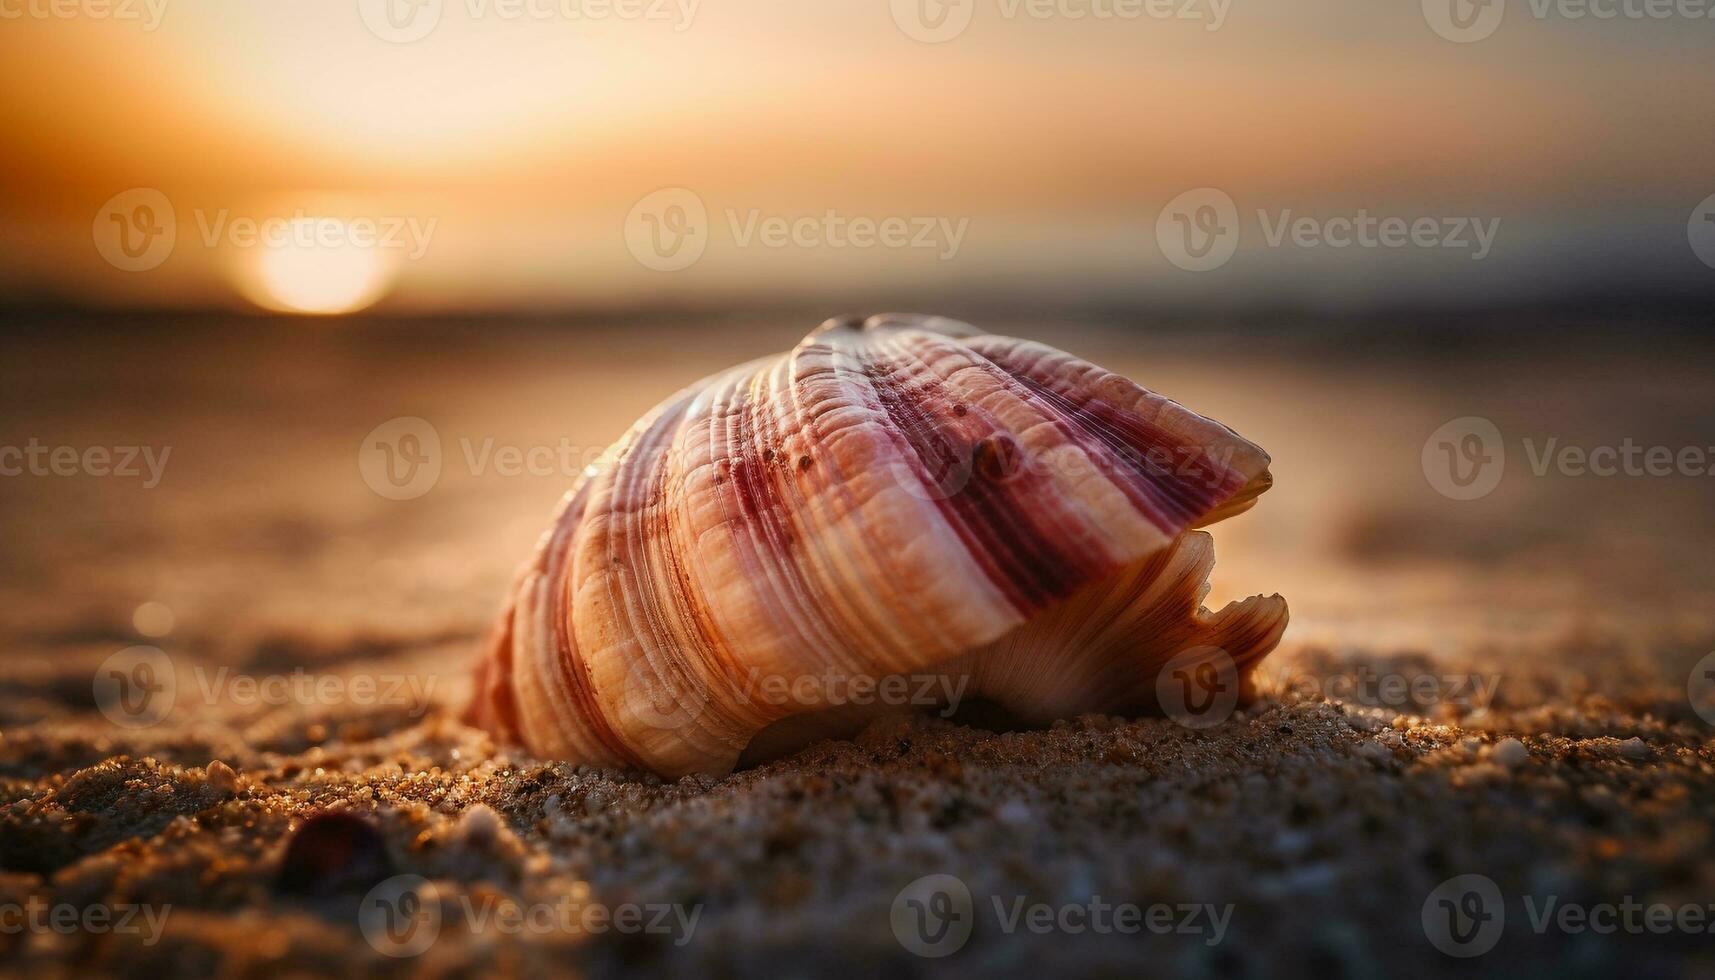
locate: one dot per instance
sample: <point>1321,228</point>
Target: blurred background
<point>506,155</point>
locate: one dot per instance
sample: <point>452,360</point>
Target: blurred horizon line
<point>1600,309</point>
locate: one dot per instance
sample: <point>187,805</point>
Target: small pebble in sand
<point>333,852</point>
<point>479,826</point>
<point>1510,752</point>
<point>222,777</point>
<point>1635,748</point>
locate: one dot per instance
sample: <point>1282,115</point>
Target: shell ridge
<point>902,493</point>
<point>856,607</point>
<point>998,514</point>
<point>1094,539</point>
<point>797,599</point>
<point>893,470</point>
<point>632,601</point>
<point>1125,445</point>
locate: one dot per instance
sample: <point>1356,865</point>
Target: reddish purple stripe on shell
<point>997,519</point>
<point>1169,480</point>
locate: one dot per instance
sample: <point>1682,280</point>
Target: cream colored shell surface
<point>902,496</point>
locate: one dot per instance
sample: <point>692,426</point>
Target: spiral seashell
<point>898,497</point>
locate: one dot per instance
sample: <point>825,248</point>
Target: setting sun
<point>318,266</point>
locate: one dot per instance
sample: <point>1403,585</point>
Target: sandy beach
<point>1505,687</point>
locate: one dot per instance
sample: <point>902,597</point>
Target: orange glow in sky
<point>529,131</point>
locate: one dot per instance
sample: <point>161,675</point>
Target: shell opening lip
<point>1240,502</point>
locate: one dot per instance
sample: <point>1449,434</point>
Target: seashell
<point>898,497</point>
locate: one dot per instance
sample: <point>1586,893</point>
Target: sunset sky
<point>503,154</point>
